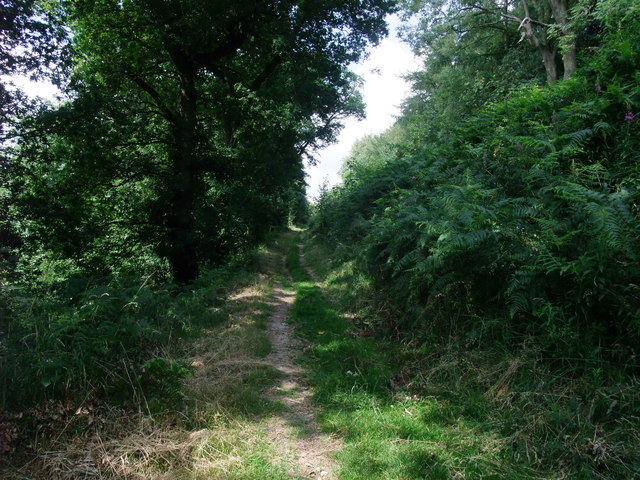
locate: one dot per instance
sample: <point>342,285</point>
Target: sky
<point>383,92</point>
<point>42,89</point>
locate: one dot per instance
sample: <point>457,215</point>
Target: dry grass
<point>217,452</point>
<point>551,422</point>
<point>205,438</point>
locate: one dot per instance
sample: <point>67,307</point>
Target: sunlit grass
<point>388,432</point>
<point>343,283</point>
<point>216,430</point>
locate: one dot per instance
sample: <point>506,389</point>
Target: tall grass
<point>389,431</point>
<point>152,383</point>
<point>452,409</point>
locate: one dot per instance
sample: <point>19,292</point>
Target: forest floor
<point>286,383</point>
<point>295,430</point>
<point>246,411</point>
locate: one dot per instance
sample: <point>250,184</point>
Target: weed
<point>444,409</point>
<point>185,405</point>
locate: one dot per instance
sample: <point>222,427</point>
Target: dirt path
<point>295,432</point>
<point>311,273</point>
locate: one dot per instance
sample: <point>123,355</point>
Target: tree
<point>469,61</point>
<point>32,42</point>
<point>535,29</point>
<point>540,22</point>
<point>223,84</point>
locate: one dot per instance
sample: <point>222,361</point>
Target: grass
<point>410,409</point>
<point>388,433</point>
<point>213,425</point>
<point>405,410</point>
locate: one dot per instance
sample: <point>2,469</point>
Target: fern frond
<point>601,127</point>
<point>442,282</point>
<point>577,139</point>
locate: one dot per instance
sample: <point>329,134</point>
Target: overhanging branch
<point>155,95</point>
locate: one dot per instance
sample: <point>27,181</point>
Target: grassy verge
<point>410,410</point>
<point>199,413</point>
<point>389,433</point>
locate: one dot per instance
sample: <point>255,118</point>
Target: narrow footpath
<point>295,432</point>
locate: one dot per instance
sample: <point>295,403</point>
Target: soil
<point>295,431</point>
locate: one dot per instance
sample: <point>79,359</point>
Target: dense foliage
<point>187,126</point>
<point>177,145</point>
<point>495,231</point>
<point>496,220</point>
<point>514,219</point>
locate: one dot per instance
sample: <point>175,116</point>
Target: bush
<point>526,220</point>
<point>105,342</point>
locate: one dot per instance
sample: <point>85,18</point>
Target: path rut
<point>295,432</point>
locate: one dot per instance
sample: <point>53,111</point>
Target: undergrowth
<point>412,407</point>
<point>150,383</point>
<point>407,408</point>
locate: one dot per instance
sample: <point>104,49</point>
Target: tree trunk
<point>541,43</point>
<point>570,62</point>
<point>182,254</point>
<point>549,60</point>
<point>560,9</point>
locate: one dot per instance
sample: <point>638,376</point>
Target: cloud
<point>383,92</point>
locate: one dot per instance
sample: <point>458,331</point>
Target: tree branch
<point>505,16</point>
<point>271,67</point>
<point>155,95</point>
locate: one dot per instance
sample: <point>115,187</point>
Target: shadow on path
<point>294,431</point>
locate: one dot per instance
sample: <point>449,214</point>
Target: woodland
<point>478,265</point>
